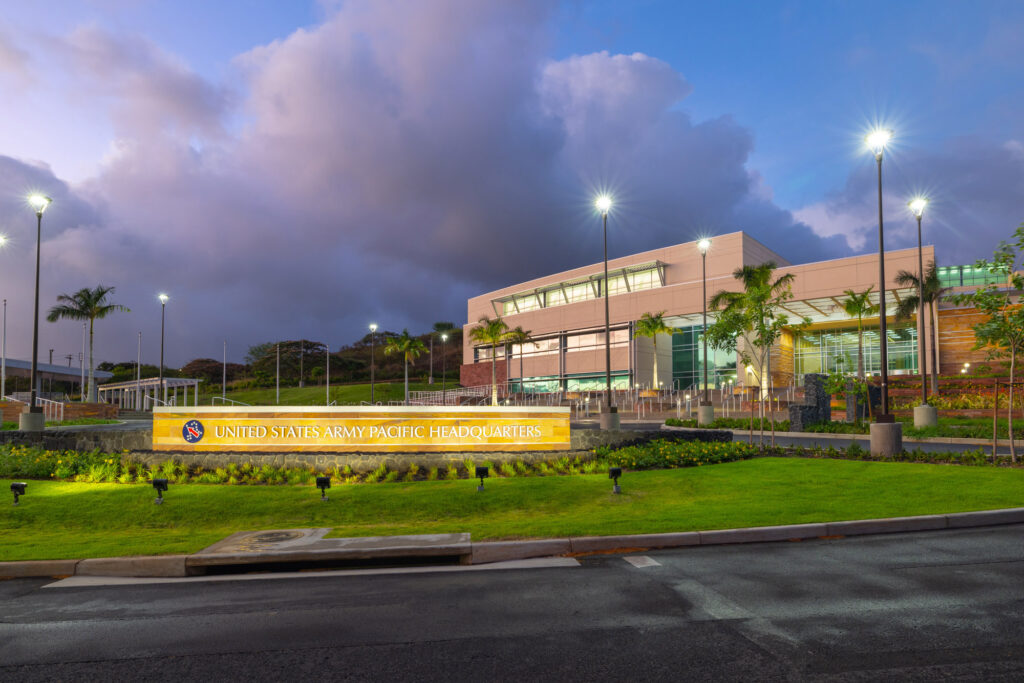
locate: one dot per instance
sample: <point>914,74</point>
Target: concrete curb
<point>864,437</point>
<point>499,551</point>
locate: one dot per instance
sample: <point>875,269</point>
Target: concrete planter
<point>925,416</point>
<point>886,439</point>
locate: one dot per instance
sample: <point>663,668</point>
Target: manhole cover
<point>275,537</point>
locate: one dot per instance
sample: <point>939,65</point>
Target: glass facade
<point>566,293</point>
<point>822,351</point>
<point>967,276</point>
<point>687,360</point>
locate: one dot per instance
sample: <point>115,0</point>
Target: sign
<point>363,429</point>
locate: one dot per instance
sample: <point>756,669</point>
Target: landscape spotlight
<point>614,473</point>
<point>160,485</point>
<point>18,489</point>
<point>481,474</point>
<point>323,483</point>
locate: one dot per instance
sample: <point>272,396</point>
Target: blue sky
<point>427,148</point>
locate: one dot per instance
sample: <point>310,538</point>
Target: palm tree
<point>490,331</point>
<point>410,347</point>
<point>857,306</point>
<point>519,336</point>
<point>85,304</point>
<point>933,292</point>
<point>651,326</point>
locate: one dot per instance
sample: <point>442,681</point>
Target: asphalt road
<point>919,606</point>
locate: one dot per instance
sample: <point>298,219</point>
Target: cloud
<point>391,161</point>
<point>14,61</point>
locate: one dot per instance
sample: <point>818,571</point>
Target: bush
<point>663,454</point>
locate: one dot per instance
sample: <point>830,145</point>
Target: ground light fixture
<point>614,473</point>
<point>160,485</point>
<point>18,489</point>
<point>323,483</point>
<point>481,474</point>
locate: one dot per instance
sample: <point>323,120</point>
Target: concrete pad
<point>157,565</point>
<point>593,544</point>
<point>763,534</point>
<point>886,526</point>
<point>496,551</point>
<point>963,520</point>
<point>12,570</point>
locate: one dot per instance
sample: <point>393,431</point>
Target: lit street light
<point>917,207</point>
<point>373,332</point>
<point>609,413</point>
<point>162,396</point>
<point>33,419</point>
<point>876,142</point>
<point>705,411</point>
<point>444,366</point>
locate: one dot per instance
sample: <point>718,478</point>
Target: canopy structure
<point>144,394</point>
<point>45,373</point>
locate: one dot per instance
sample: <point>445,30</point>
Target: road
<point>904,606</point>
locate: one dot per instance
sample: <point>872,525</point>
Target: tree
<point>410,347</point>
<point>1001,333</point>
<point>933,292</point>
<point>212,371</point>
<point>519,336</point>
<point>857,306</point>
<point>651,326</point>
<point>86,304</point>
<point>490,331</point>
<point>754,316</point>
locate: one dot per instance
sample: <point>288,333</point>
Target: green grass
<point>65,423</point>
<point>317,395</point>
<point>66,520</point>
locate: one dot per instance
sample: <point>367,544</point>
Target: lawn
<point>66,423</point>
<point>69,520</point>
<point>317,395</point>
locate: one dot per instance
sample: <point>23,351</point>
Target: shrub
<point>663,454</point>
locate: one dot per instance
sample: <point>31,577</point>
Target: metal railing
<point>214,400</point>
<point>53,410</point>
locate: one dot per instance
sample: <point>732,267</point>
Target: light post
<point>224,374</point>
<point>924,415</point>
<point>327,375</point>
<point>373,333</point>
<point>162,395</point>
<point>886,433</point>
<point>609,413</point>
<point>705,411</point>
<point>138,375</point>
<point>3,351</point>
<point>444,366</point>
<point>32,420</point>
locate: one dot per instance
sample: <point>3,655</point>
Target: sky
<point>299,169</point>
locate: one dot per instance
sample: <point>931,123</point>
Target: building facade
<point>564,314</point>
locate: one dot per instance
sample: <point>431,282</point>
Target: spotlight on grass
<point>323,483</point>
<point>160,485</point>
<point>614,473</point>
<point>481,474</point>
<point>18,489</point>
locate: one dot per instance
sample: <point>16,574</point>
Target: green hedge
<point>663,454</point>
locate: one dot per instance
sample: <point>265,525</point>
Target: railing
<point>54,410</point>
<point>214,400</point>
<point>147,399</point>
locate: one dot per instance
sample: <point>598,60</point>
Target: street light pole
<point>444,366</point>
<point>34,421</point>
<point>917,206</point>
<point>138,375</point>
<point>877,141</point>
<point>373,331</point>
<point>3,357</point>
<point>224,374</point>
<point>162,395</point>
<point>609,413</point>
<point>327,375</point>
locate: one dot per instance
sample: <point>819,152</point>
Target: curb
<point>846,437</point>
<point>499,551</point>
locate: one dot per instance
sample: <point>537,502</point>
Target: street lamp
<point>609,414</point>
<point>33,420</point>
<point>162,395</point>
<point>876,141</point>
<point>444,366</point>
<point>917,206</point>
<point>373,332</point>
<point>705,411</point>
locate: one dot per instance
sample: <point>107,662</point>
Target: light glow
<point>163,298</point>
<point>373,327</point>
<point>704,245</point>
<point>39,202</point>
<point>917,206</point>
<point>878,139</point>
<point>603,203</point>
<point>3,240</point>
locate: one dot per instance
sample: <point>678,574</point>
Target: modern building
<point>564,314</point>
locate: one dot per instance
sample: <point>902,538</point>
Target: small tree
<point>85,304</point>
<point>754,316</point>
<point>491,331</point>
<point>651,326</point>
<point>858,305</point>
<point>410,347</point>
<point>519,336</point>
<point>933,292</point>
<point>1002,331</point>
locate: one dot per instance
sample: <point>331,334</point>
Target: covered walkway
<point>144,394</point>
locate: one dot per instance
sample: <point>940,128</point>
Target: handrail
<point>213,401</point>
<point>53,410</point>
<point>154,399</point>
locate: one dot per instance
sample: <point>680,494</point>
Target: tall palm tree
<point>651,326</point>
<point>85,304</point>
<point>410,347</point>
<point>491,331</point>
<point>933,292</point>
<point>519,336</point>
<point>857,306</point>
